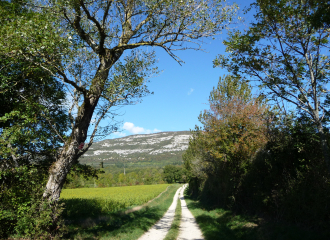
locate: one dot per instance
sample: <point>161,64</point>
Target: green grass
<point>95,202</point>
<point>174,230</point>
<point>223,224</point>
<point>119,225</point>
<point>138,193</point>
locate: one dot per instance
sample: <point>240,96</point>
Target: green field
<point>92,202</point>
<point>137,194</point>
<point>98,213</point>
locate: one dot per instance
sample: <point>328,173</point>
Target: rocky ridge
<point>163,147</point>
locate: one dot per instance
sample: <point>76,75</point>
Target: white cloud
<point>190,91</point>
<point>156,130</point>
<point>119,134</point>
<point>128,126</point>
<point>133,129</point>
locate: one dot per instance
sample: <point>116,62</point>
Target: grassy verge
<point>223,224</point>
<point>174,230</point>
<point>122,226</point>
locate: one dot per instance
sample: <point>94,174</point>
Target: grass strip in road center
<point>174,230</point>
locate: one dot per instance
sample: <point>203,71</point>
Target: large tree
<point>233,129</point>
<point>83,48</point>
<point>286,55</point>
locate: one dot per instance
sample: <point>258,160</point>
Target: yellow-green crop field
<point>82,202</point>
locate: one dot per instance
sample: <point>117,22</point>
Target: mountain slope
<point>156,149</point>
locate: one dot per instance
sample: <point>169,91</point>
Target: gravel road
<point>189,229</point>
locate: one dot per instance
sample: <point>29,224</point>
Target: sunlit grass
<point>118,225</point>
<point>135,193</point>
<point>95,202</point>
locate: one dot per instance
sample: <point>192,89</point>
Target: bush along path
<point>188,230</point>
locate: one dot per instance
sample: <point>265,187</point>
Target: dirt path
<point>160,229</point>
<point>189,229</point>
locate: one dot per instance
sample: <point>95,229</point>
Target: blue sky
<point>180,92</point>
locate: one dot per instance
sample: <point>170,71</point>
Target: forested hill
<point>158,149</point>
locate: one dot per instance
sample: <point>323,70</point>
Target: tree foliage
<point>286,55</point>
<point>173,174</point>
<point>320,18</point>
<point>272,168</point>
<point>32,117</point>
<point>288,179</point>
<point>23,212</point>
<point>102,51</point>
<point>233,130</point>
<point>31,110</point>
<point>92,48</point>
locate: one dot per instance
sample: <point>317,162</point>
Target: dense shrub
<point>220,152</point>
<point>23,212</point>
<point>288,179</point>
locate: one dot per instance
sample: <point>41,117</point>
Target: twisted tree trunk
<point>70,153</point>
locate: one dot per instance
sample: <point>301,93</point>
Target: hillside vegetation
<point>133,160</point>
<point>153,150</point>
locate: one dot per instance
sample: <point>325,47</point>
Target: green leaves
<point>233,129</point>
<point>31,98</point>
<point>283,53</point>
<point>173,174</point>
<point>20,192</point>
<point>27,107</point>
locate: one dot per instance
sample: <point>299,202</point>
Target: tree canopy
<point>103,53</point>
<point>233,129</point>
<point>286,55</point>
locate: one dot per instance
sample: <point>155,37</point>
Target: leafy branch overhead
<point>119,25</point>
<point>287,56</point>
<point>103,52</point>
<point>85,39</point>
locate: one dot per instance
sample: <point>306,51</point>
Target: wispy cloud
<point>130,127</point>
<point>156,130</point>
<point>119,134</point>
<point>190,91</point>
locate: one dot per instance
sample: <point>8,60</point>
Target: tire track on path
<point>189,229</point>
<point>160,229</point>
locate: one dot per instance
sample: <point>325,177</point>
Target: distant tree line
<point>114,176</point>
